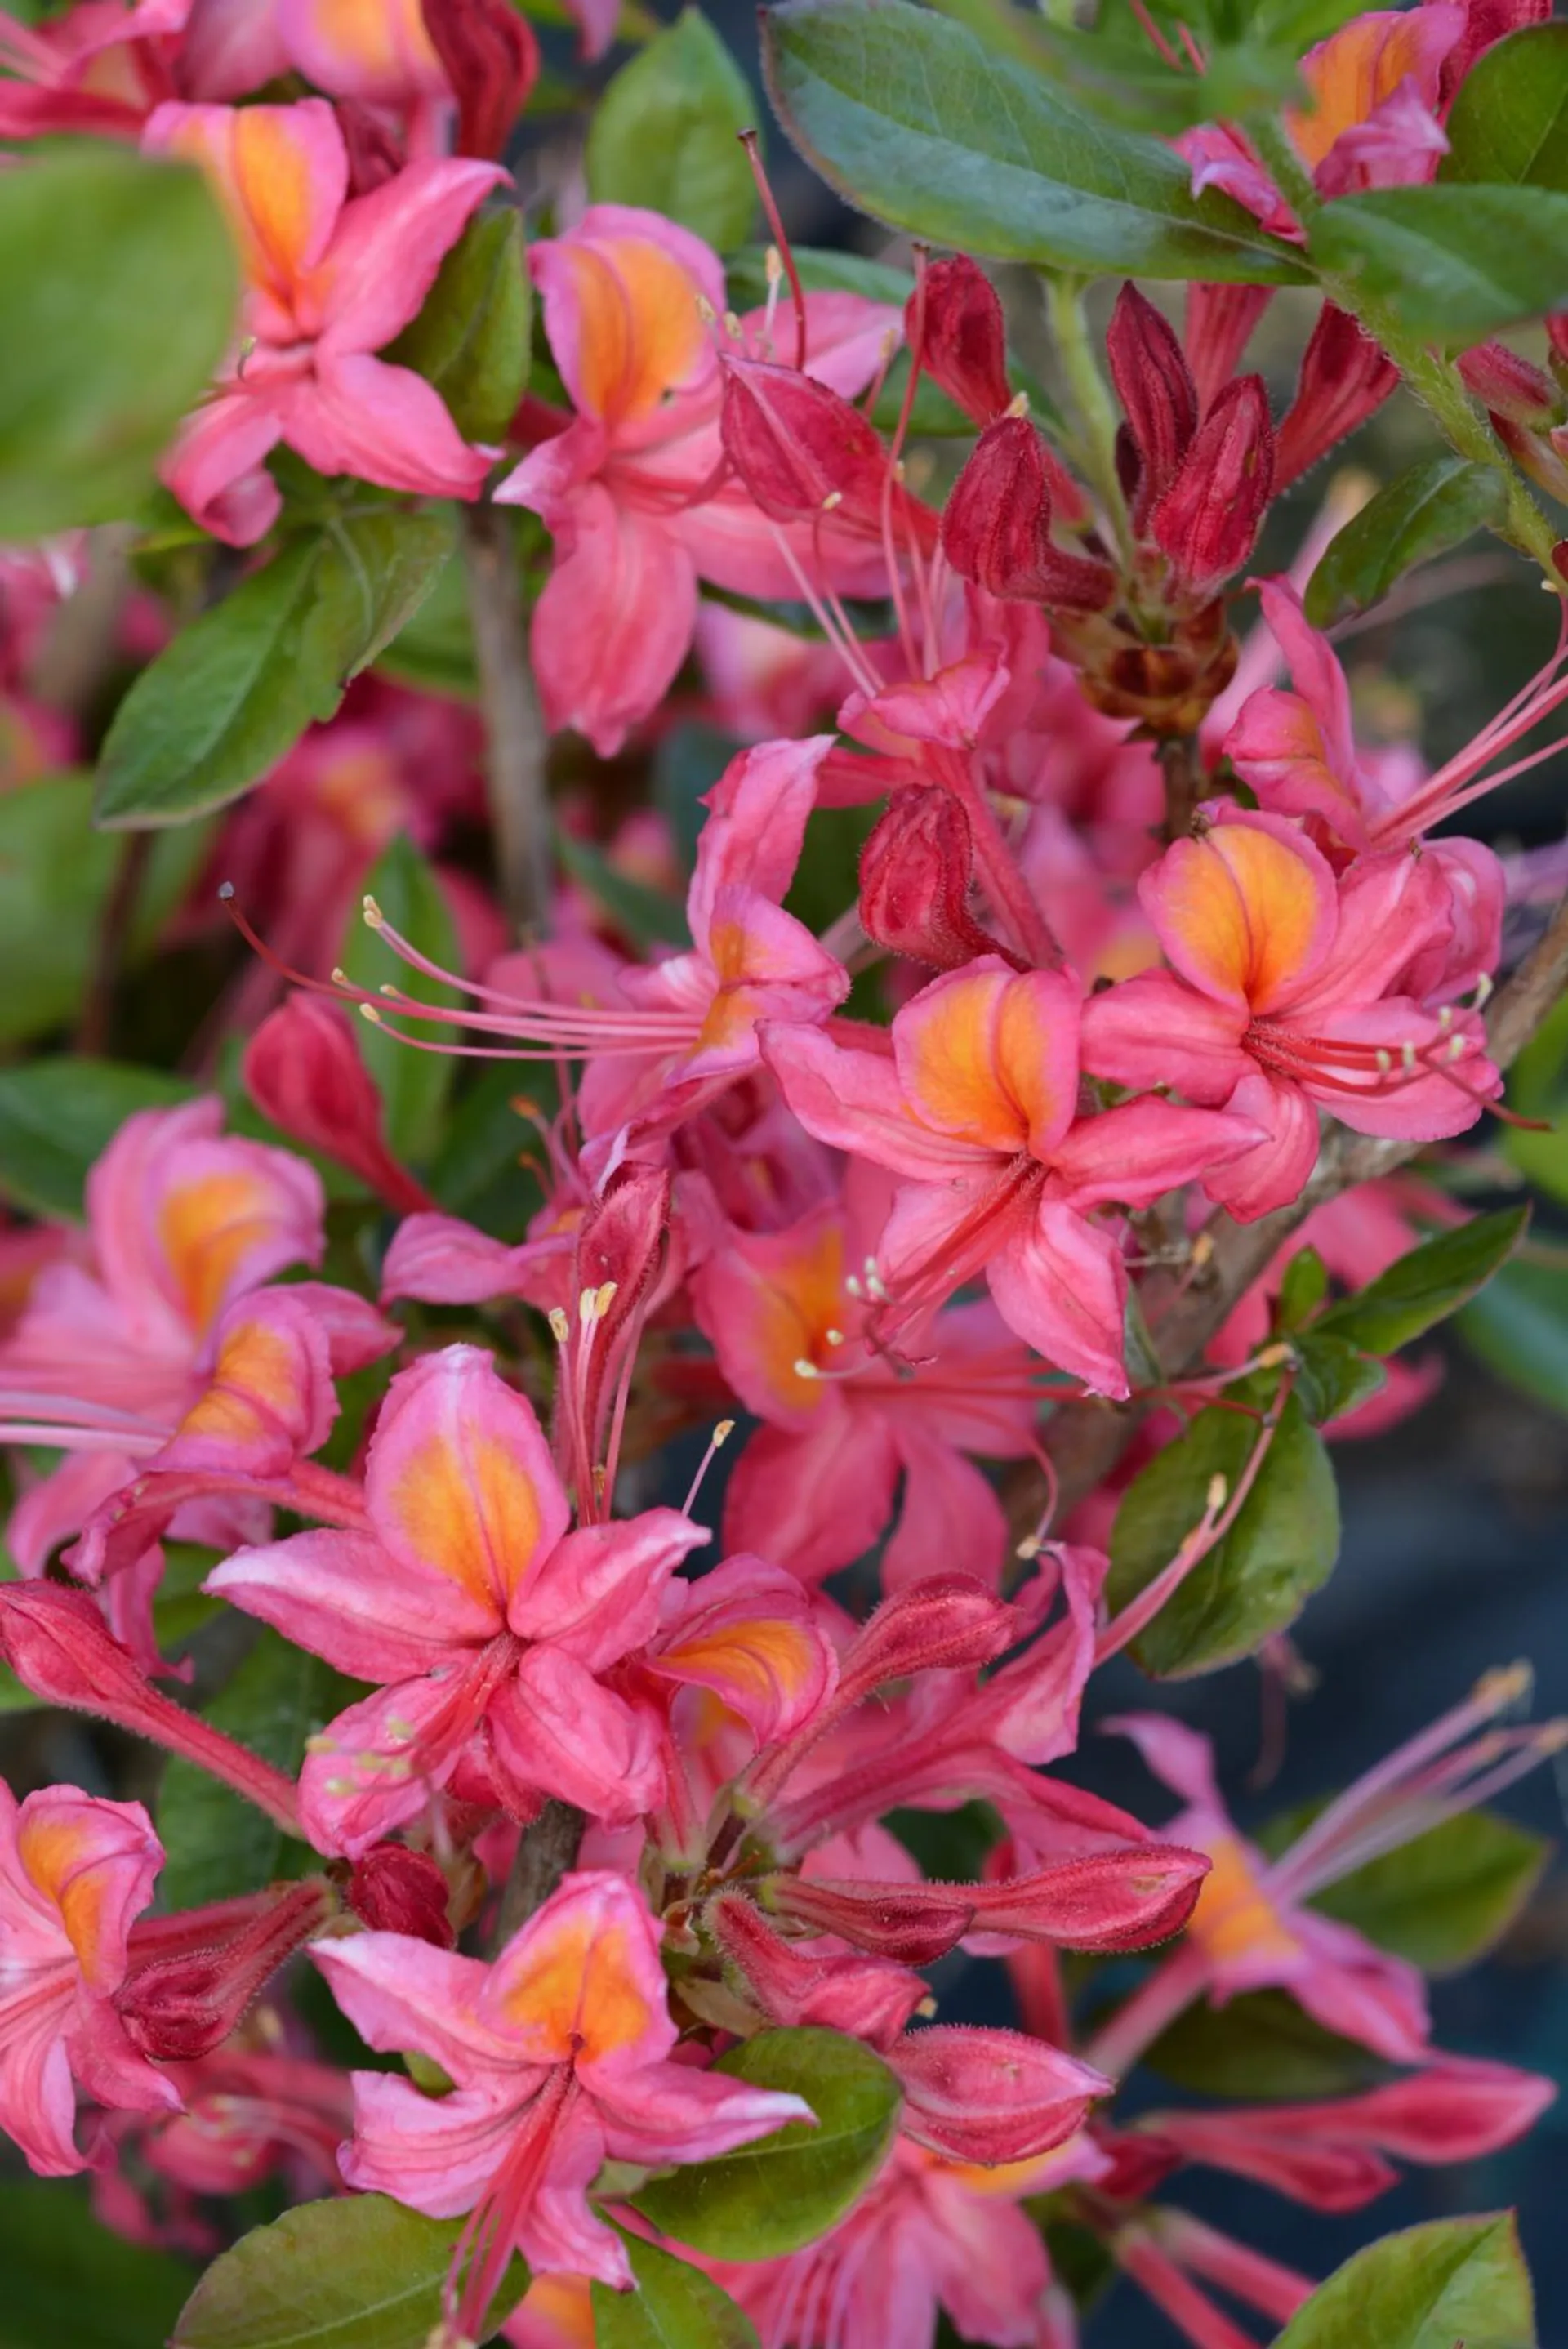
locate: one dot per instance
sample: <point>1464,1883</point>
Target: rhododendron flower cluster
<point>820,1072</point>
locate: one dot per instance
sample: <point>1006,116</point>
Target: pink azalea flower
<point>329,281</point>
<point>561,2055</point>
<point>815,1487</point>
<point>930,2235</point>
<point>74,1872</point>
<point>1253,1928</point>
<point>474,1606</point>
<point>974,1105</point>
<point>633,488</point>
<point>1290,991</point>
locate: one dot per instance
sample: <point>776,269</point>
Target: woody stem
<point>1091,402</point>
<point>546,1850</point>
<point>515,741</point>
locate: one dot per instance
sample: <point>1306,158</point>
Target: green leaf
<point>1334,1377</point>
<point>119,287</point>
<point>69,2279</point>
<point>415,1085</point>
<point>1444,1899</point>
<point>1510,120</point>
<point>472,338</point>
<point>475,1173</point>
<point>1538,1088</point>
<point>58,1115</point>
<point>234,691</point>
<point>911,119</point>
<point>1427,1284</point>
<point>435,648</point>
<point>1433,507</point>
<point>1519,1326</point>
<point>1453,263</point>
<point>646,916</point>
<point>664,134</point>
<point>219,1845</point>
<point>674,2306</point>
<point>359,2272</point>
<point>1454,2282</point>
<point>787,2188</point>
<point>1280,1550</point>
<point>55,876</point>
<point>1302,1290</point>
<point>1262,2047</point>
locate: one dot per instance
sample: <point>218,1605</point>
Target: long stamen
<point>780,237</point>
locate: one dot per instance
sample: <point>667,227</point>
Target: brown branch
<point>111,943</point>
<point>514,724</point>
<point>545,1852</point>
<point>1182,763</point>
<point>1087,1440</point>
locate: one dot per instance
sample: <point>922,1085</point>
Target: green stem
<point>1091,402</point>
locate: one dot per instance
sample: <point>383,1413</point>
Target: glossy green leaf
<point>1334,1377</point>
<point>674,2306</point>
<point>1117,73</point>
<point>1302,1290</point>
<point>359,2272</point>
<point>472,338</point>
<point>1427,1284</point>
<point>1538,1088</point>
<point>1453,262</point>
<point>647,917</point>
<point>1444,1899</point>
<point>913,119</point>
<point>1281,1548</point>
<point>58,1115</point>
<point>1454,2282</point>
<point>1429,510</point>
<point>69,2281</point>
<point>1264,2048</point>
<point>787,2188</point>
<point>664,134</point>
<point>434,649</point>
<point>478,1172</point>
<point>1519,1326</point>
<point>219,1845</point>
<point>119,290</point>
<point>55,876</point>
<point>1510,119</point>
<point>234,691</point>
<point>415,1085</point>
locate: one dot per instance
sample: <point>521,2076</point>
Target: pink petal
<point>460,1481</point>
<point>1154,1029</point>
<point>582,1981</point>
<point>1138,1152</point>
<point>1276,1170</point>
<point>596,1596</point>
<point>614,621</point>
<point>343,1597</point>
<point>852,1101</point>
<point>672,2112</point>
<point>557,1731</point>
<point>403,1995</point>
<point>37,2101</point>
<point>746,1631</point>
<point>377,1765</point>
<point>384,424</point>
<point>382,55</point>
<point>436,2154</point>
<point>443,1261</point>
<point>215,467</point>
<point>281,171</point>
<point>269,1398</point>
<point>949,1511</point>
<point>816,1499</point>
<point>756,826</point>
<point>1061,1283</point>
<point>620,292</point>
<point>389,245</point>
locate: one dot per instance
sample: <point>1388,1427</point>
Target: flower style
<point>815,1484</point>
<point>74,1872</point>
<point>633,486</point>
<point>975,1106</point>
<point>476,1609</point>
<point>329,281</point>
<point>1289,991</point>
<point>561,2055</point>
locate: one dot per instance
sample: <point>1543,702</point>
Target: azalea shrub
<point>727,1049</point>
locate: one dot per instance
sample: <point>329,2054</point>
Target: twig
<point>1182,763</point>
<point>95,1028</point>
<point>1087,1440</point>
<point>514,726</point>
<point>545,1852</point>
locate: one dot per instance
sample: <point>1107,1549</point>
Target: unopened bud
<point>916,870</point>
<point>963,337</point>
<point>1345,377</point>
<point>996,525</point>
<point>1512,386</point>
<point>303,1071</point>
<point>492,59</point>
<point>797,445</point>
<point>1156,390</point>
<point>180,2004</point>
<point>395,1890</point>
<point>1207,522</point>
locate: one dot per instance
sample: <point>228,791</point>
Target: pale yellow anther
<point>722,1434</point>
<point>706,311</point>
<point>560,1328</point>
<point>1483,988</point>
<point>1446,1017</point>
<point>773,267</point>
<point>1219,1494</point>
<point>368,1011</point>
<point>1506,1684</point>
<point>832,502</point>
<point>1018,404</point>
<point>339,976</point>
<point>605,1298</point>
<point>1273,1356</point>
<point>1384,1061</point>
<point>1028,1548</point>
<point>805,1369</point>
<point>1408,1057</point>
<point>1457,1047</point>
<point>374,919</point>
<point>834,1337</point>
<point>732,327</point>
<point>1202,1248</point>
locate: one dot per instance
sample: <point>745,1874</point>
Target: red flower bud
<point>915,873</point>
<point>912,1923</point>
<point>1345,377</point>
<point>1207,522</point>
<point>60,1648</point>
<point>1216,330</point>
<point>1107,1900</point>
<point>374,155</point>
<point>867,1997</point>
<point>964,345</point>
<point>302,1070</point>
<point>804,453</point>
<point>996,525</point>
<point>940,1624</point>
<point>974,2094</point>
<point>492,59</point>
<point>1156,390</point>
<point>395,1890</point>
<point>1511,386</point>
<point>180,2004</point>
